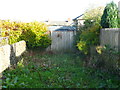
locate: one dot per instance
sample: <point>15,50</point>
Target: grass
<point>56,71</point>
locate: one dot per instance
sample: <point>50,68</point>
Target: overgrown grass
<point>56,71</point>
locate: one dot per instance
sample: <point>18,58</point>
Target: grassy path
<point>56,71</point>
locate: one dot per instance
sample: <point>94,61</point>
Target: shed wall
<point>62,41</point>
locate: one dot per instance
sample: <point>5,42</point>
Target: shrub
<point>33,33</point>
<point>3,41</point>
<point>88,38</point>
<point>110,16</point>
<point>88,35</point>
<point>106,59</point>
<point>14,35</point>
<point>11,30</point>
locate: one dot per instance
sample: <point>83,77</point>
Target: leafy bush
<point>14,35</point>
<point>33,33</point>
<point>88,35</point>
<point>106,59</point>
<point>11,30</point>
<point>3,41</point>
<point>110,16</point>
<point>88,38</point>
<point>87,24</point>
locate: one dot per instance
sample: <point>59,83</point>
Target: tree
<point>89,33</point>
<point>94,14</point>
<point>110,16</point>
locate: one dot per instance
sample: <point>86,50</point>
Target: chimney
<point>49,20</point>
<point>69,19</point>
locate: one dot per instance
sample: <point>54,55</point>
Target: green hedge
<point>34,33</point>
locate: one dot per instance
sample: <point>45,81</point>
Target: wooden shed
<point>62,38</point>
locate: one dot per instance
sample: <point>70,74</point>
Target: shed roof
<point>61,28</point>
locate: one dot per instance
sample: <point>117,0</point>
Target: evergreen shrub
<point>110,16</point>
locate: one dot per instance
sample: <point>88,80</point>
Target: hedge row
<point>34,33</point>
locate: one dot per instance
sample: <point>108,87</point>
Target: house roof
<point>78,17</point>
<point>58,23</point>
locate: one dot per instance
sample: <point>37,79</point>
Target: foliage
<point>106,59</point>
<point>94,14</point>
<point>14,35</point>
<point>110,16</point>
<point>11,30</point>
<point>57,71</point>
<point>34,33</point>
<point>119,22</point>
<point>89,37</point>
<point>3,41</point>
<point>87,23</point>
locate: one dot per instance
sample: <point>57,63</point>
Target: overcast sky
<point>39,10</point>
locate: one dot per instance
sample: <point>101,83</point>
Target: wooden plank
<point>59,40</point>
<point>61,46</point>
<point>53,44</point>
<point>68,42</point>
<point>65,41</point>
<point>70,38</point>
<point>62,41</point>
<point>56,41</point>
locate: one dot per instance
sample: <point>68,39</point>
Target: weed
<point>57,71</point>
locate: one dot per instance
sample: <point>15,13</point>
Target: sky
<point>41,10</point>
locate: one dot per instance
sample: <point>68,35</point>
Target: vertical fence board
<point>65,40</point>
<point>68,41</point>
<point>62,41</point>
<point>63,45</point>
<point>71,40</point>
